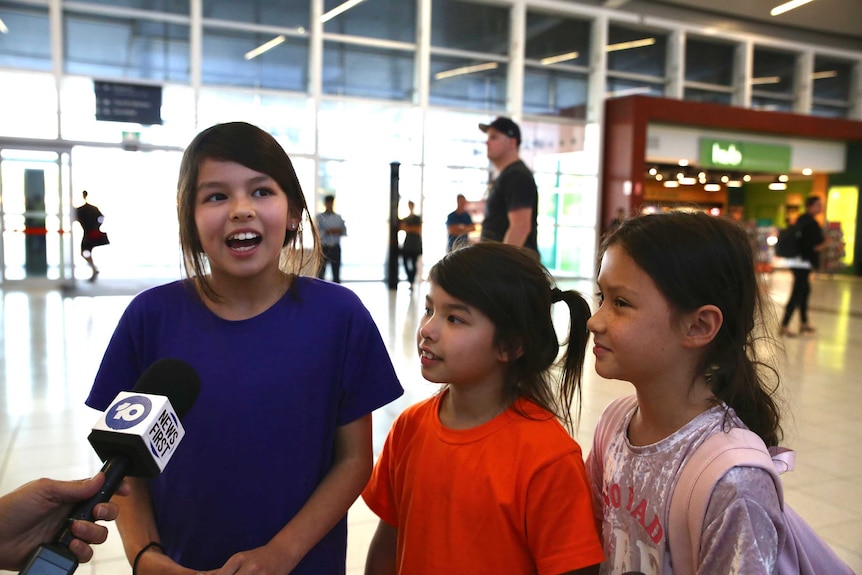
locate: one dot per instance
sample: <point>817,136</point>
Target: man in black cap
<point>513,202</point>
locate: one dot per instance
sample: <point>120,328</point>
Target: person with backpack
<point>680,310</point>
<point>810,241</point>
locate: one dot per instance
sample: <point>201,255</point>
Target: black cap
<point>504,126</point>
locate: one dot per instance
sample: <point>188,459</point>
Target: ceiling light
<point>683,162</point>
<point>3,28</point>
<point>825,74</point>
<point>712,188</point>
<point>746,178</point>
<point>688,181</point>
<point>265,47</point>
<point>340,9</point>
<point>629,45</point>
<point>671,184</point>
<point>734,184</point>
<point>653,171</point>
<point>465,70</point>
<point>807,171</point>
<point>765,80</point>
<point>725,179</point>
<point>777,186</point>
<point>783,178</point>
<point>559,58</point>
<point>787,6</point>
<point>659,177</point>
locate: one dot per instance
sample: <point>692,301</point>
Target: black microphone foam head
<point>173,378</point>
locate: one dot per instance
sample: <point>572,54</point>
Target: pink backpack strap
<point>710,462</point>
<point>612,418</point>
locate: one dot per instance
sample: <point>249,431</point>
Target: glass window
<point>350,70</point>
<point>284,13</point>
<point>382,19</point>
<point>290,119</point>
<point>697,95</point>
<point>618,88</point>
<point>106,47</point>
<point>556,74</point>
<point>831,80</point>
<point>470,83</point>
<point>378,133</point>
<point>30,110</point>
<point>636,51</point>
<point>708,62</point>
<point>830,111</point>
<point>170,6</point>
<point>772,72</point>
<point>229,59</point>
<point>17,48</point>
<point>555,93</point>
<point>470,26</point>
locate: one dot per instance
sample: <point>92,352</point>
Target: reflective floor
<point>51,344</point>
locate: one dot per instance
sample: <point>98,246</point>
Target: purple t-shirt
<point>260,436</point>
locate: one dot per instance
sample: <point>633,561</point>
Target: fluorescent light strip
<point>765,80</point>
<point>557,59</point>
<point>264,47</point>
<point>340,9</point>
<point>787,6</point>
<point>465,70</point>
<point>3,28</point>
<point>824,74</point>
<point>629,45</point>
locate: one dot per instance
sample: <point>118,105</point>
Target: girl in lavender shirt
<point>679,308</point>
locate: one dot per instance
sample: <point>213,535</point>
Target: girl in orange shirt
<point>483,477</point>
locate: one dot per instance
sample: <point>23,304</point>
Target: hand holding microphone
<point>136,436</point>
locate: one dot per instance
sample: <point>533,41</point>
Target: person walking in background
<point>459,224</point>
<point>411,249</point>
<point>511,209</point>
<point>484,477</point>
<point>90,217</point>
<point>331,227</point>
<point>811,242</point>
<point>680,311</point>
<point>278,445</point>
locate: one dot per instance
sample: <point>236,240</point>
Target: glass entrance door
<point>35,243</point>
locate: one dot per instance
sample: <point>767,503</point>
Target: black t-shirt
<point>812,236</point>
<point>514,188</point>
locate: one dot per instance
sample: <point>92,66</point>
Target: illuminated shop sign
<point>744,156</point>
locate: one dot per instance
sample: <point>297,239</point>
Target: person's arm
<point>34,513</point>
<point>137,526</point>
<point>381,551</point>
<point>330,501</point>
<point>458,229</point>
<point>520,224</point>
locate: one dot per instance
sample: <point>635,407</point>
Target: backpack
<point>789,242</point>
<point>803,552</point>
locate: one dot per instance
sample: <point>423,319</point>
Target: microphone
<point>136,436</point>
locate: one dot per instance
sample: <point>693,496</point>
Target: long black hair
<point>514,290</point>
<point>695,260</point>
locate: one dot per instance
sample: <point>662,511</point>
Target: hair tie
<point>556,295</point>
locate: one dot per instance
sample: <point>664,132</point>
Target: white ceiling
<point>843,17</point>
<point>828,22</point>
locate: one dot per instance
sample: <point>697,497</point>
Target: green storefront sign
<point>744,156</point>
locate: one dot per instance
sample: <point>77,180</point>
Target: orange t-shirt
<point>509,496</point>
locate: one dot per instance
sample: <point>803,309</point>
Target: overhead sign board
<point>136,103</point>
<point>744,156</point>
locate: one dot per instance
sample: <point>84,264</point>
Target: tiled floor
<point>51,344</point>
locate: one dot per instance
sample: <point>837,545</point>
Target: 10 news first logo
<point>144,427</point>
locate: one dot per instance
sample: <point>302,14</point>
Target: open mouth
<point>243,241</point>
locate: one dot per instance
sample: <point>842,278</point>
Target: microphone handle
<point>115,470</point>
<point>55,558</point>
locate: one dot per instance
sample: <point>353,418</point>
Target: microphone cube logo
<point>144,427</point>
<point>128,412</point>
